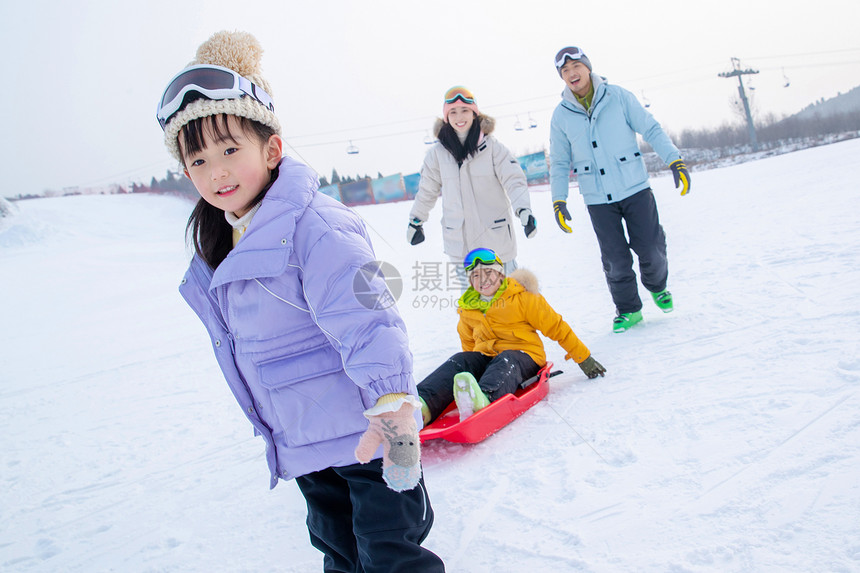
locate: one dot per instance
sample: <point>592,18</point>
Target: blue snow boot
<point>468,395</point>
<point>625,320</point>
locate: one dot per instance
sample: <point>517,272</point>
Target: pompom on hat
<point>240,52</point>
<point>458,96</point>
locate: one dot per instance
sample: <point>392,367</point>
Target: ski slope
<point>725,436</point>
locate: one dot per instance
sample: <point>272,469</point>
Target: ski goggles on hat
<point>569,53</point>
<point>480,257</point>
<point>459,93</point>
<point>210,82</point>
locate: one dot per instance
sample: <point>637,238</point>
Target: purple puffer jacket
<point>301,353</point>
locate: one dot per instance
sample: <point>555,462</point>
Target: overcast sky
<point>83,78</point>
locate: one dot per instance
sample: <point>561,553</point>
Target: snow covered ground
<point>724,437</point>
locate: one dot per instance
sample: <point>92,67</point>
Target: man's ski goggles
<point>480,256</point>
<point>210,82</point>
<point>459,93</point>
<point>569,53</point>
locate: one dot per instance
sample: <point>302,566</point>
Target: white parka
<point>477,196</point>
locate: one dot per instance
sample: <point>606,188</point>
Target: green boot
<point>663,300</point>
<point>425,411</point>
<point>468,395</point>
<point>625,320</point>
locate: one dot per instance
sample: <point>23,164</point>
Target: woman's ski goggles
<point>480,256</point>
<point>459,93</point>
<point>569,53</point>
<point>210,82</point>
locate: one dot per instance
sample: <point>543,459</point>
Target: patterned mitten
<point>401,448</point>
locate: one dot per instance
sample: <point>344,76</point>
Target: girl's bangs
<point>194,133</point>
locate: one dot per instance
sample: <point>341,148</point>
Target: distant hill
<point>842,104</point>
<point>824,121</point>
<point>7,209</point>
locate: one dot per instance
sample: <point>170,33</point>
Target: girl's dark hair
<point>207,227</point>
<point>450,141</point>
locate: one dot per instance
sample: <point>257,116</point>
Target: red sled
<point>494,417</point>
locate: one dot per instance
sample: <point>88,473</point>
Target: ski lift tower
<point>737,71</point>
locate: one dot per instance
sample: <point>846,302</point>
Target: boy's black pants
<point>496,375</point>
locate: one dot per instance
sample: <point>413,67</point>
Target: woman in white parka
<point>482,185</point>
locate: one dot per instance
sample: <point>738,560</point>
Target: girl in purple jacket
<point>303,327</point>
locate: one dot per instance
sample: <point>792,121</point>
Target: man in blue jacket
<point>593,135</point>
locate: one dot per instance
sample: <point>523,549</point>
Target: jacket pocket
<point>584,172</point>
<point>631,166</point>
<point>495,234</point>
<point>313,398</point>
<point>452,241</point>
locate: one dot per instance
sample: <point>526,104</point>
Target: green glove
<point>681,175</point>
<point>592,367</point>
<point>559,209</point>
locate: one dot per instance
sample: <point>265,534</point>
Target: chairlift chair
<point>518,126</point>
<point>351,149</point>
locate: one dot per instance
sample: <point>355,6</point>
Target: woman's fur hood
<point>526,278</point>
<point>488,125</point>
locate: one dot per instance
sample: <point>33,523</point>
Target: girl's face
<point>461,118</point>
<point>485,280</point>
<point>230,173</point>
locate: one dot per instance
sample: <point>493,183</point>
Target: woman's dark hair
<point>207,228</point>
<point>451,141</point>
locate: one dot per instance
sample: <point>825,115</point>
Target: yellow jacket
<point>511,321</point>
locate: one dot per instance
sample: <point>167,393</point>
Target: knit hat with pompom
<point>241,52</point>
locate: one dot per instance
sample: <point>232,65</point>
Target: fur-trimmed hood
<point>500,189</point>
<point>526,278</point>
<point>488,125</point>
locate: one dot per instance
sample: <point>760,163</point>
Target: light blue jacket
<point>601,146</point>
<point>306,340</point>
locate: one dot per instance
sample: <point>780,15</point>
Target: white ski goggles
<point>210,82</point>
<point>570,53</point>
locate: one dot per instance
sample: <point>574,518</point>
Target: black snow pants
<point>362,526</point>
<point>496,375</point>
<point>647,240</point>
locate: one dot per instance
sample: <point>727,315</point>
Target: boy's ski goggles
<point>210,82</point>
<point>480,256</point>
<point>459,93</point>
<point>569,53</point>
